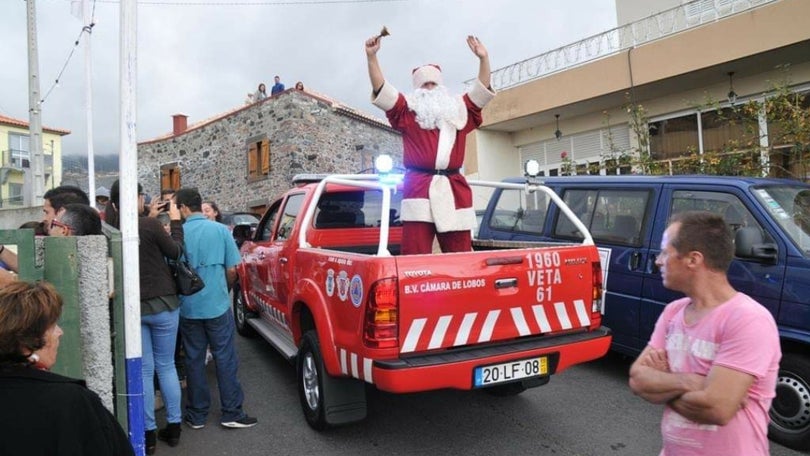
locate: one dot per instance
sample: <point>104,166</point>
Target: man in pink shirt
<point>714,355</point>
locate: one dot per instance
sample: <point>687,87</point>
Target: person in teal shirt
<point>205,317</point>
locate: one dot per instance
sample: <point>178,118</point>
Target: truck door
<point>279,258</point>
<point>760,280</point>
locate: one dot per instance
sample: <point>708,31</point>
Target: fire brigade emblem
<point>330,283</point>
<point>343,285</point>
<point>356,290</point>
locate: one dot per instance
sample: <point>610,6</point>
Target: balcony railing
<point>666,23</point>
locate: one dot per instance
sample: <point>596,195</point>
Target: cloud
<point>202,60</point>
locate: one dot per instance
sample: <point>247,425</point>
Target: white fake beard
<point>433,106</point>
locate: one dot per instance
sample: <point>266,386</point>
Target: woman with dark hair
<point>44,413</point>
<point>211,211</point>
<point>160,314</point>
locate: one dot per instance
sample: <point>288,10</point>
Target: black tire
<point>311,373</point>
<point>507,390</point>
<point>241,314</point>
<point>790,410</point>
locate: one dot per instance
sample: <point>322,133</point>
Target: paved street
<point>587,410</point>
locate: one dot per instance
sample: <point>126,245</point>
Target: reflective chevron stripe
<point>430,334</point>
<point>270,311</point>
<point>350,365</point>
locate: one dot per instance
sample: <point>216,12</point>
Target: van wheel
<point>790,410</point>
<point>309,367</point>
<point>241,314</point>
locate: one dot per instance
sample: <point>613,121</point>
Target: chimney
<point>180,123</point>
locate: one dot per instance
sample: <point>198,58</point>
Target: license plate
<point>507,372</point>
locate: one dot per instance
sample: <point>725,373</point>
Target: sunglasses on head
<point>64,226</point>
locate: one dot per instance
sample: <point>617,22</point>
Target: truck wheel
<point>790,410</point>
<point>241,314</point>
<point>309,367</point>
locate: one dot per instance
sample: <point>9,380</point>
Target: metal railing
<point>663,24</point>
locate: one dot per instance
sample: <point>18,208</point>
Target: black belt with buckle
<point>441,172</point>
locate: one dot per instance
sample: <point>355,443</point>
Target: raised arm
<point>484,71</point>
<point>374,71</point>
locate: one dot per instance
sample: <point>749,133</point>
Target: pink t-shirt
<point>739,334</point>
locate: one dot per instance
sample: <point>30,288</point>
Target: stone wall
<point>307,134</point>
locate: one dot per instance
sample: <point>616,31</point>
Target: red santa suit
<point>435,191</point>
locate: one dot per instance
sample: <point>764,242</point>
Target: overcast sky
<point>201,57</point>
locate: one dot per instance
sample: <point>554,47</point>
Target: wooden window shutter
<point>175,178</point>
<point>252,165</point>
<point>165,178</point>
<point>265,157</point>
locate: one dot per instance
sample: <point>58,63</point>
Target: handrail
<point>529,187</point>
<point>654,27</point>
<point>371,181</point>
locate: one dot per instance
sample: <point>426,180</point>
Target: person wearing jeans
<point>160,312</point>
<point>158,338</point>
<point>206,319</point>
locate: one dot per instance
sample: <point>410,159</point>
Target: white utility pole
<point>128,185</point>
<point>88,101</point>
<point>37,187</point>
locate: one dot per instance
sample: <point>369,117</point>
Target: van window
<point>789,206</point>
<point>612,216</point>
<point>736,215</point>
<point>519,211</point>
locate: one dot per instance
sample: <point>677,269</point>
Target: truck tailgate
<point>492,296</point>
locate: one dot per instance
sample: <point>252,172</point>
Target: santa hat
<point>427,73</point>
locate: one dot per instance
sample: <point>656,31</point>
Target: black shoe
<point>241,423</point>
<point>170,434</point>
<point>150,441</point>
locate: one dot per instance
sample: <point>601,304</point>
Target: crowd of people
<point>177,224</point>
<point>277,87</point>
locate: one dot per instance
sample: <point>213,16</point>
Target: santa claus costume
<point>437,199</point>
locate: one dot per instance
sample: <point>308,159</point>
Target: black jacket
<point>42,413</point>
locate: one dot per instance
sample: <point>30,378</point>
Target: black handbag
<point>186,278</point>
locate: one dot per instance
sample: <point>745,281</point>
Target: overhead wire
<point>85,29</point>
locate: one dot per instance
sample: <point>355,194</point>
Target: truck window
<point>612,216</point>
<point>519,211</point>
<point>355,209</point>
<point>292,208</point>
<point>266,225</point>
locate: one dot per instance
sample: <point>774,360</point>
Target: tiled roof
<point>23,124</point>
<point>332,102</point>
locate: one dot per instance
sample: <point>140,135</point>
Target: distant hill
<point>78,163</point>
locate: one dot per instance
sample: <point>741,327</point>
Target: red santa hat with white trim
<point>427,73</point>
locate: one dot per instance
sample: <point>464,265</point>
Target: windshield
<point>790,207</point>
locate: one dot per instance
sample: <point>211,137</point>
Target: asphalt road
<point>587,410</point>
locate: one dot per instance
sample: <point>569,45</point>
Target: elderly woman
<point>44,413</point>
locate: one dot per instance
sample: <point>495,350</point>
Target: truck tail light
<point>381,327</point>
<point>597,305</point>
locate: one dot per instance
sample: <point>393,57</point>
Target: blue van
<point>627,216</point>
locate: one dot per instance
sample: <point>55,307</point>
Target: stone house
<point>245,158</point>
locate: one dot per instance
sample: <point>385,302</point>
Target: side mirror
<point>749,243</point>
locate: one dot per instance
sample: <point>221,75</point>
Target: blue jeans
<point>218,334</point>
<point>158,338</point>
